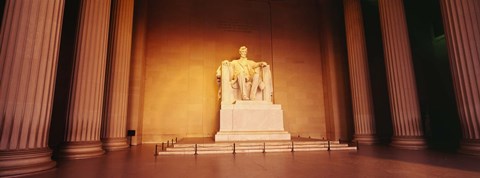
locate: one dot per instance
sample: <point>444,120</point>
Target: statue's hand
<point>233,83</point>
<point>263,64</point>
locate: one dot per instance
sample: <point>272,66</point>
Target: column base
<point>81,150</point>
<point>114,144</point>
<point>411,143</point>
<point>25,162</point>
<point>136,140</point>
<point>366,139</point>
<point>471,147</point>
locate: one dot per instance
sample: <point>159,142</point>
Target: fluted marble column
<point>406,117</point>
<point>117,78</point>
<point>29,45</point>
<point>461,19</point>
<point>363,114</point>
<point>82,130</point>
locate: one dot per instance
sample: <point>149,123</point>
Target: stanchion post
<point>234,151</point>
<point>156,150</point>
<point>263,147</point>
<point>292,147</point>
<point>329,145</point>
<point>196,149</point>
<point>163,146</point>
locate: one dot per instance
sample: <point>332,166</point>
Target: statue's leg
<point>255,82</point>
<point>242,82</point>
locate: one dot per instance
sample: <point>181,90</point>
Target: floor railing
<point>165,145</point>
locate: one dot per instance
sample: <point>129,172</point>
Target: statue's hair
<point>242,48</point>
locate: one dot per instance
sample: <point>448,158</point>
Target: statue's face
<point>243,53</point>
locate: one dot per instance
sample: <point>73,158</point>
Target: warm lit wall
<point>338,106</point>
<point>297,67</point>
<point>187,40</point>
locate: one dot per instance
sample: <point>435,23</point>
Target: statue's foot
<point>244,97</point>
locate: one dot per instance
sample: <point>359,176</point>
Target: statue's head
<point>243,51</point>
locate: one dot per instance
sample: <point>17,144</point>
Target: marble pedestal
<point>251,120</point>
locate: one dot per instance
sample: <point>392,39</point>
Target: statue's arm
<point>231,69</point>
<point>260,64</point>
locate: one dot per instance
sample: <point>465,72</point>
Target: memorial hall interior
<point>77,76</point>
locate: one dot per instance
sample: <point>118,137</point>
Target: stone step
<point>256,147</point>
<point>176,152</point>
<point>259,144</point>
<point>344,148</point>
<point>213,145</point>
<point>214,152</point>
<point>230,151</point>
<point>202,145</point>
<point>253,147</point>
<point>332,147</point>
<point>311,149</point>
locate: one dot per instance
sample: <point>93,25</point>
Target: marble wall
<point>186,41</point>
<point>297,69</point>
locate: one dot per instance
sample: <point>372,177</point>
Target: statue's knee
<point>234,85</point>
<point>241,76</point>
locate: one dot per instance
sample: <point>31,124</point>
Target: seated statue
<point>244,79</point>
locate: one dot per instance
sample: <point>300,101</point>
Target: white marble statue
<point>247,111</point>
<point>244,79</point>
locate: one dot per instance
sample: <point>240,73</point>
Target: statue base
<point>251,120</point>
